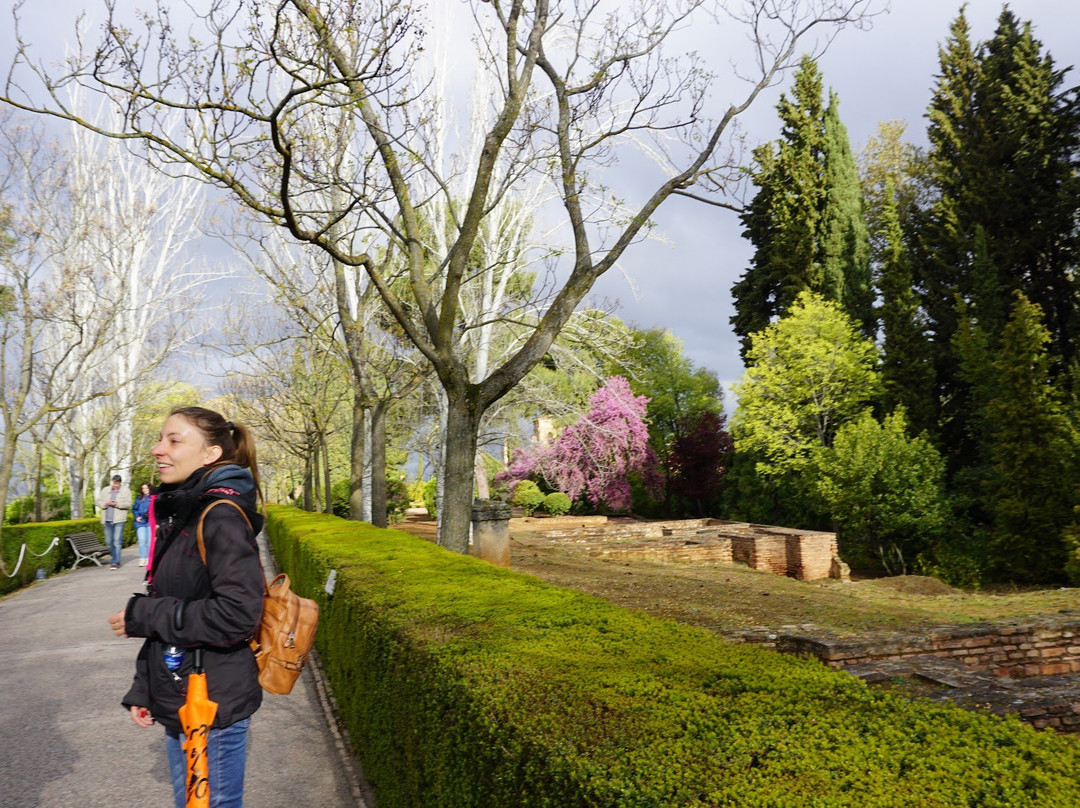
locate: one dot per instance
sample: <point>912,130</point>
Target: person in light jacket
<point>114,502</point>
<point>213,606</point>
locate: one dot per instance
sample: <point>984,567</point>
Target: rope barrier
<point>22,553</point>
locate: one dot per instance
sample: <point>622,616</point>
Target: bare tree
<point>579,83</point>
<point>138,227</point>
<point>49,326</point>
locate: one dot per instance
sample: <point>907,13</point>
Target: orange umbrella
<point>196,716</point>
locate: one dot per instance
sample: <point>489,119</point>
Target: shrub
<point>416,492</point>
<point>464,684</point>
<point>55,508</point>
<point>557,504</point>
<point>430,497</point>
<point>339,497</point>
<point>527,496</point>
<point>397,497</point>
<point>37,536</point>
<point>1071,540</point>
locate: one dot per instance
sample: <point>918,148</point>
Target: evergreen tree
<point>940,242</point>
<point>845,238</point>
<point>782,220</point>
<point>1029,489</point>
<point>1002,170</point>
<point>907,377</point>
<point>1028,191</point>
<point>806,220</point>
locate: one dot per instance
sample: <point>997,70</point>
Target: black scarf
<point>177,504</point>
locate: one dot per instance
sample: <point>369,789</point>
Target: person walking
<point>114,501</point>
<point>141,511</point>
<point>213,607</point>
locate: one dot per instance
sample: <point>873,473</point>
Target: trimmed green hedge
<point>464,684</point>
<point>37,536</point>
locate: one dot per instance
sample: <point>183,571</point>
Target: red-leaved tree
<point>699,458</point>
<point>595,458</point>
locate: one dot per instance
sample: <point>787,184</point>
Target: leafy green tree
<point>806,221</point>
<point>884,489</point>
<point>808,374</point>
<point>891,172</point>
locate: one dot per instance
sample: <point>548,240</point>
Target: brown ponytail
<point>236,442</point>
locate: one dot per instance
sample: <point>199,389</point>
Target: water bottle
<point>174,657</point>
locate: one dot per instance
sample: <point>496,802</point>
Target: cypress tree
<point>907,377</point>
<point>1003,184</point>
<point>845,238</point>
<point>782,220</point>
<point>1025,181</point>
<point>806,220</point>
<point>940,242</point>
<point>1031,454</point>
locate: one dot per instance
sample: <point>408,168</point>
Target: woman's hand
<point>141,716</point>
<point>116,623</point>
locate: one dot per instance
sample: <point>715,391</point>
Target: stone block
<point>1053,669</point>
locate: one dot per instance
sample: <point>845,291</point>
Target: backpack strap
<point>253,643</point>
<point>199,528</point>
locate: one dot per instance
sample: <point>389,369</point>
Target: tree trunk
<point>378,463</point>
<point>483,490</point>
<point>76,488</point>
<point>328,486</point>
<point>39,450</point>
<point>356,459</point>
<point>316,475</point>
<point>7,462</point>
<point>459,457</point>
<point>308,506</point>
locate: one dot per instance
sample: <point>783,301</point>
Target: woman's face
<point>182,450</point>
<point>145,488</point>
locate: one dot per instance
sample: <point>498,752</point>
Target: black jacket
<point>216,606</point>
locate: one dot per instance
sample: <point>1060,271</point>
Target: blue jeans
<point>142,533</point>
<point>226,754</point>
<point>114,539</point>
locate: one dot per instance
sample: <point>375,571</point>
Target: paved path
<point>65,741</point>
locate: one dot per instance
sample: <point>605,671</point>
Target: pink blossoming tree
<point>595,458</point>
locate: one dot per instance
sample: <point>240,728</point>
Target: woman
<point>141,510</point>
<point>201,457</point>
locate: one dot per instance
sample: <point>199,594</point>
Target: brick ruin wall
<point>1041,648</point>
<point>803,554</point>
<point>1044,647</point>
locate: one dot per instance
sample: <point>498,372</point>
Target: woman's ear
<point>212,455</point>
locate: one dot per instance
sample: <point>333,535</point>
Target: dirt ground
<point>731,599</point>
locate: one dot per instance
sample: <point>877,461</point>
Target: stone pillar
<point>491,531</point>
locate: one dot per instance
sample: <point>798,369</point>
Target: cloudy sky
<point>884,73</point>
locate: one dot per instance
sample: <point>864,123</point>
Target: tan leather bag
<point>286,632</point>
